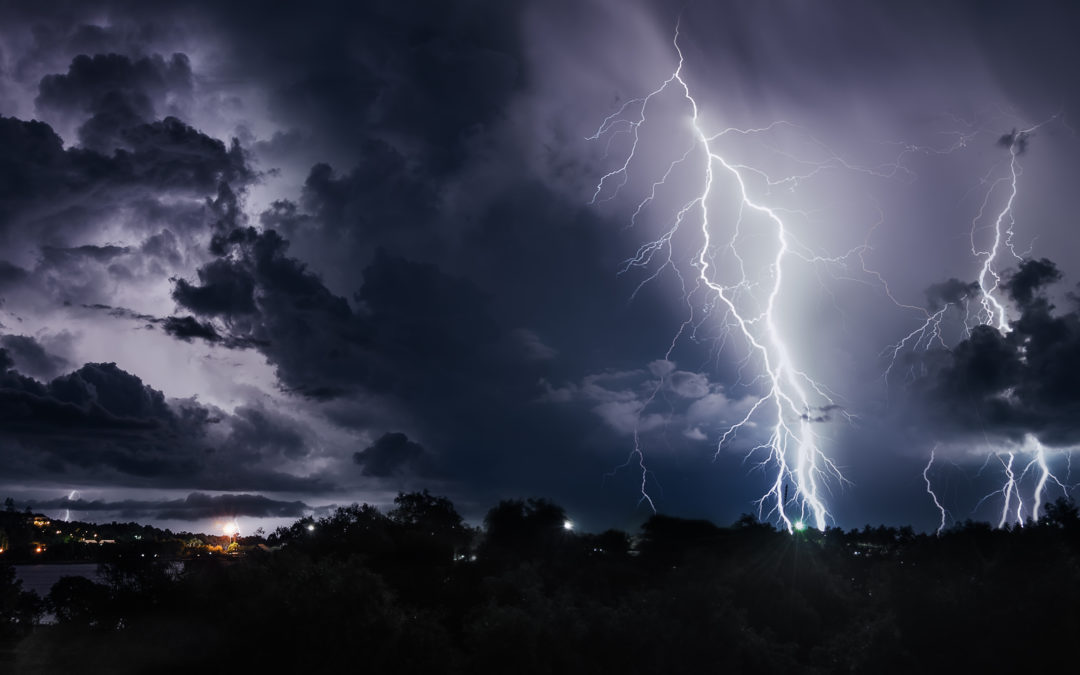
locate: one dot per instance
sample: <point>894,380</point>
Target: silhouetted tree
<point>430,527</point>
<point>535,527</point>
<point>19,609</point>
<point>79,601</point>
<point>1062,513</point>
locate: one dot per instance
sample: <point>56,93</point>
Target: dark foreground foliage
<point>417,591</point>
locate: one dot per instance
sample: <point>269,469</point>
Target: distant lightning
<point>72,496</point>
<point>1010,489</point>
<point>993,311</point>
<point>933,495</point>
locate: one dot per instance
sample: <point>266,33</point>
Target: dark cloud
<point>114,93</point>
<point>393,453</point>
<point>169,153</point>
<point>31,357</point>
<point>100,421</point>
<point>820,413</point>
<point>123,313</point>
<point>256,432</point>
<point>114,390</point>
<point>425,77</point>
<point>382,202</point>
<point>97,397</point>
<point>188,327</point>
<point>223,290</point>
<point>1017,140</point>
<point>382,192</point>
<point>950,292</point>
<point>59,256</point>
<point>1012,384</point>
<point>415,332</point>
<point>1031,276</point>
<point>196,506</point>
<point>58,192</point>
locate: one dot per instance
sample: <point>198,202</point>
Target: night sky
<point>259,261</point>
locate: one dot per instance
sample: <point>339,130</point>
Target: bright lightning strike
<point>992,310</point>
<point>1001,240</point>
<point>1012,508</point>
<point>790,401</point>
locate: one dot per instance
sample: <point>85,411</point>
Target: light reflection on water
<point>40,578</point>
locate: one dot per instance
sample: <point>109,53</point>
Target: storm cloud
<point>344,249</point>
<point>100,422</point>
<point>1016,383</point>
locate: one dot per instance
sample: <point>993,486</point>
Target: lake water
<point>40,578</point>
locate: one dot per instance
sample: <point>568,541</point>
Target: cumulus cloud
<point>659,398</point>
<point>100,421</point>
<point>114,93</point>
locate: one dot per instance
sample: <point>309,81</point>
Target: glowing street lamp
<point>568,525</point>
<point>231,530</point>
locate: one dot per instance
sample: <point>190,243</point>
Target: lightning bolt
<point>72,496</point>
<point>993,311</point>
<point>790,401</point>
<point>1010,489</point>
<point>930,491</point>
<point>725,276</point>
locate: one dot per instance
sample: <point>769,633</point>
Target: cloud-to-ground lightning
<point>933,495</point>
<point>992,244</point>
<point>1013,504</point>
<point>995,313</point>
<point>742,251</point>
<point>72,496</point>
<point>789,401</point>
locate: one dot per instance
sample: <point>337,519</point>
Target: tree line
<point>416,589</point>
